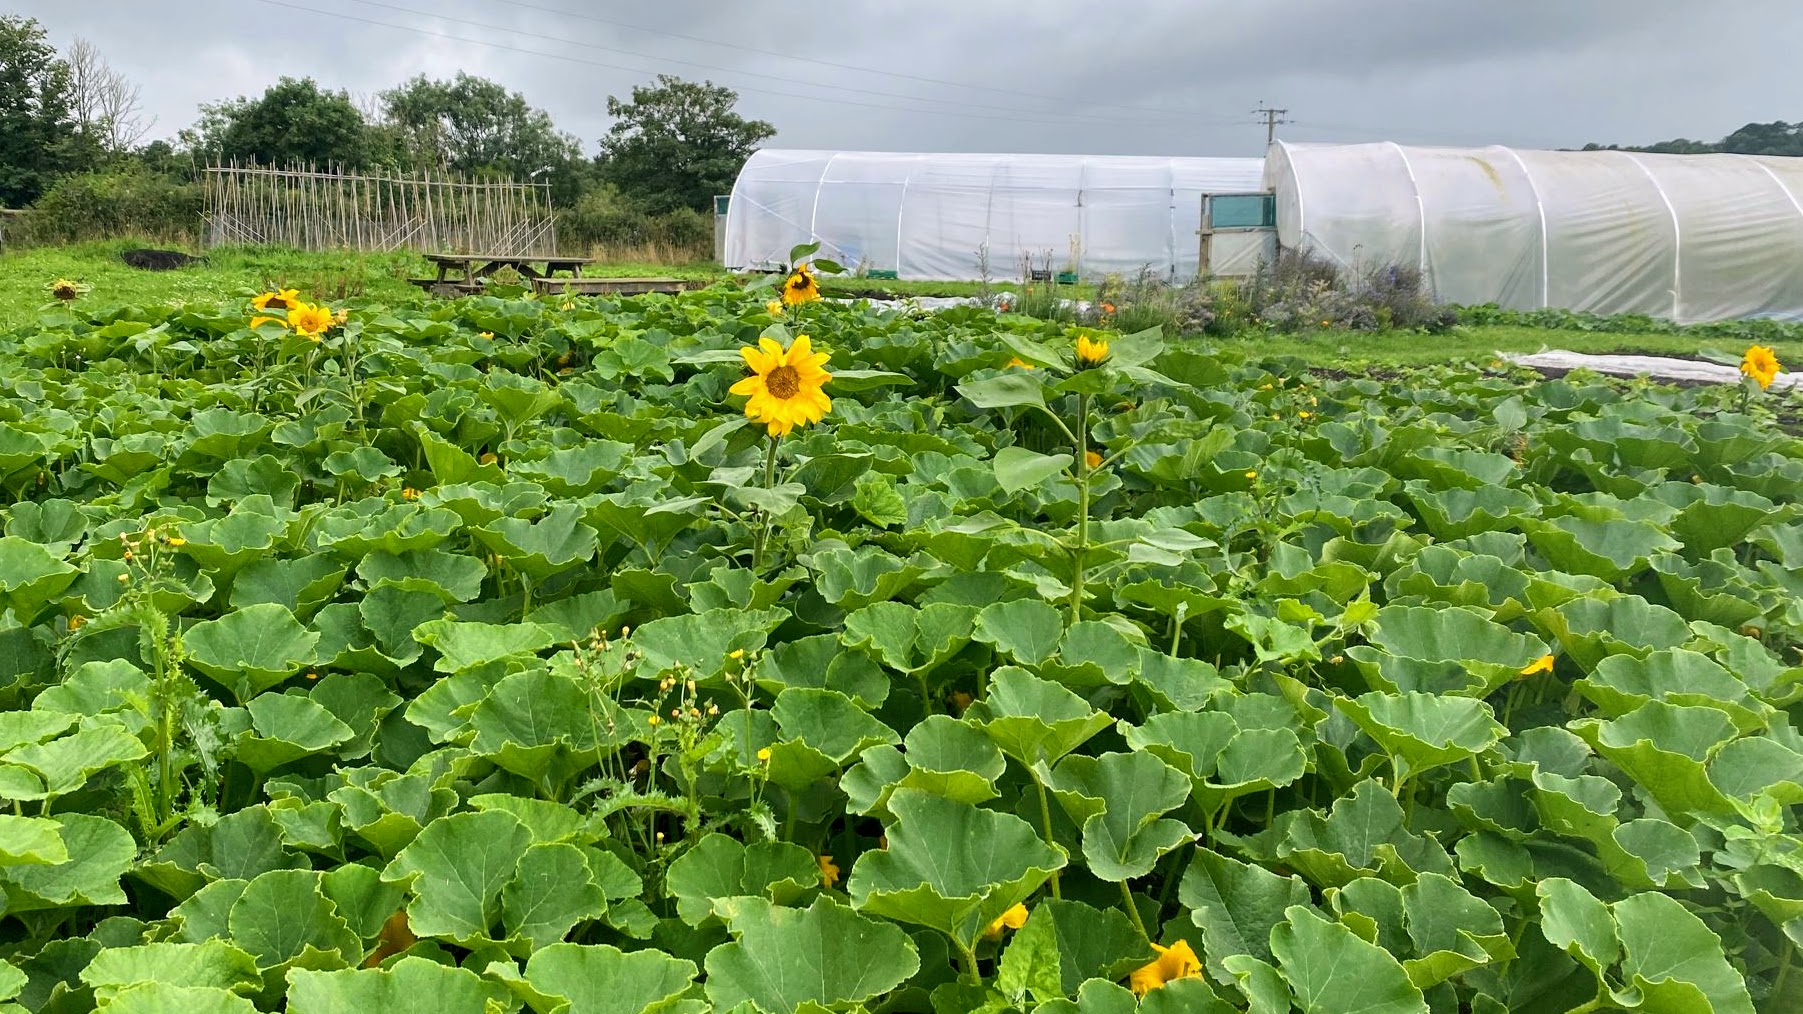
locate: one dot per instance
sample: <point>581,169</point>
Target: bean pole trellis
<point>315,209</point>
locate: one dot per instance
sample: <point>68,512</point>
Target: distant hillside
<point>1778,138</point>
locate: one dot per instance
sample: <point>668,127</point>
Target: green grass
<point>1481,343</point>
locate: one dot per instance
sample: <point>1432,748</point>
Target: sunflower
<point>1090,352</point>
<point>774,308</point>
<point>800,287</point>
<point>1175,962</point>
<point>785,386</point>
<point>260,320</point>
<point>67,290</point>
<point>281,299</point>
<point>1761,363</point>
<point>310,321</point>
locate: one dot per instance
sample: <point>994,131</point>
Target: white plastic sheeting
<point>927,215</point>
<point>1688,237</point>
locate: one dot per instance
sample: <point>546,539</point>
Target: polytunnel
<point>1687,237</point>
<point>937,216</point>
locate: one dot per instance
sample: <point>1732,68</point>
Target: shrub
<point>604,220</point>
<point>122,202</point>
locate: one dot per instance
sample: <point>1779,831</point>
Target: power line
<point>739,46</point>
<point>1011,113</point>
<point>1272,118</point>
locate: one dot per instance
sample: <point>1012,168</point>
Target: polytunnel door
<point>1239,232</point>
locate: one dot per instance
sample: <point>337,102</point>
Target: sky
<point>1131,77</point>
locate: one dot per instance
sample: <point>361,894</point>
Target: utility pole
<point>1272,118</point>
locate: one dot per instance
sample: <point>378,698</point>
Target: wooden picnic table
<point>465,271</point>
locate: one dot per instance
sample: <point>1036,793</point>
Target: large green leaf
<point>783,958</point>
<point>599,979</point>
<point>1032,720</point>
<point>1120,798</point>
<point>411,985</point>
<point>1331,970</point>
<point>1236,905</point>
<point>951,866</point>
<point>719,868</point>
<point>1422,731</point>
<point>455,870</point>
<point>252,649</point>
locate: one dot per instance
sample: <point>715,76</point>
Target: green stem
<point>1783,969</point>
<point>1045,816</point>
<point>1080,552</point>
<point>926,694</point>
<point>1133,911</point>
<point>1177,626</point>
<point>757,553</point>
<point>968,958</point>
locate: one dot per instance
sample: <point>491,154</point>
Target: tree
<point>678,143</point>
<point>109,108</point>
<point>38,135</point>
<point>474,126</point>
<point>293,122</point>
<point>1775,138</point>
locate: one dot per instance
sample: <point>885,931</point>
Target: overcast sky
<point>1155,77</point>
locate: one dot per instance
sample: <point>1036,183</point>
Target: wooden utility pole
<point>1272,118</point>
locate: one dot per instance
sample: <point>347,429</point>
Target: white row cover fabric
<point>1687,237</point>
<point>928,215</point>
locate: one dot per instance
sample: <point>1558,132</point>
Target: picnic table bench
<point>612,286</point>
<point>464,272</point>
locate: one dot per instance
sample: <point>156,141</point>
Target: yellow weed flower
<point>774,308</point>
<point>409,493</point>
<point>763,755</point>
<point>800,286</point>
<point>785,386</point>
<point>281,299</point>
<point>1761,363</point>
<point>1175,962</point>
<point>311,321</point>
<point>1014,918</point>
<point>829,872</point>
<point>1542,664</point>
<point>1090,352</point>
<point>1251,475</point>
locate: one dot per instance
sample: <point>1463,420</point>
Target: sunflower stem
<point>757,553</point>
<point>1080,553</point>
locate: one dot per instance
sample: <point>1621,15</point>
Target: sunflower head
<point>311,321</point>
<point>280,299</point>
<point>1177,961</point>
<point>260,320</point>
<point>800,287</point>
<point>67,290</point>
<point>785,386</point>
<point>1091,352</point>
<point>1761,364</point>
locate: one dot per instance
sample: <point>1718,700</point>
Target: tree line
<point>73,144</point>
<point>1775,138</point>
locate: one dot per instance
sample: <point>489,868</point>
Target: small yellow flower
<point>177,541</point>
<point>1091,352</point>
<point>409,493</point>
<point>1761,363</point>
<point>774,308</point>
<point>1305,415</point>
<point>800,286</point>
<point>308,320</point>
<point>1251,475</point>
<point>1014,918</point>
<point>1542,664</point>
<point>1018,362</point>
<point>486,334</point>
<point>1092,459</point>
<point>1174,962</point>
<point>829,872</point>
<point>76,621</point>
<point>312,675</point>
<point>653,720</point>
<point>763,755</point>
<point>736,654</point>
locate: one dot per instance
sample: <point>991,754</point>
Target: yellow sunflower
<point>281,299</point>
<point>1175,962</point>
<point>800,286</point>
<point>311,321</point>
<point>774,308</point>
<point>67,290</point>
<point>1090,352</point>
<point>1761,363</point>
<point>260,320</point>
<point>785,386</point>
